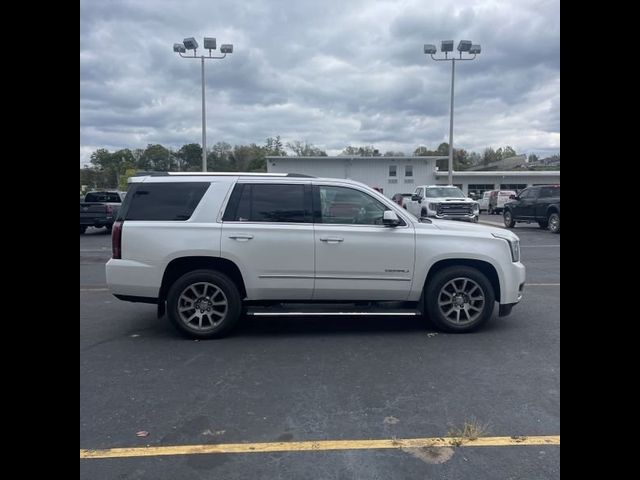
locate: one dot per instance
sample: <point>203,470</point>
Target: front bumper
<point>512,289</point>
<point>466,217</point>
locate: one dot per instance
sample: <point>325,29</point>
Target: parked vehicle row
<point>493,201</point>
<point>539,204</point>
<point>206,247</point>
<point>445,202</point>
<point>99,209</point>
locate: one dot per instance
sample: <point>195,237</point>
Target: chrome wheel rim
<point>553,222</point>
<point>202,306</point>
<point>461,301</point>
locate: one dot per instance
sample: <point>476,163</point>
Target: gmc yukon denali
<point>208,248</point>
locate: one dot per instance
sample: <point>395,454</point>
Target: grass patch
<point>470,430</point>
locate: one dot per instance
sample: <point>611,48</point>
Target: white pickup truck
<point>444,202</point>
<point>208,248</point>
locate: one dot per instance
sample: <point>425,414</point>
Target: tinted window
<point>444,192</point>
<point>268,203</point>
<point>547,192</point>
<point>529,193</point>
<point>102,197</point>
<point>343,205</point>
<point>163,201</point>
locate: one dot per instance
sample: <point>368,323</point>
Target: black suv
<point>535,204</point>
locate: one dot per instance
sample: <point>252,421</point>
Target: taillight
<point>116,240</point>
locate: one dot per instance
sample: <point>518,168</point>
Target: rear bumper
<point>96,222</point>
<point>129,278</point>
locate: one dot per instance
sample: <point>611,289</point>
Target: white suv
<point>207,248</point>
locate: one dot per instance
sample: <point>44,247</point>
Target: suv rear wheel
<point>554,222</point>
<point>459,299</point>
<point>204,304</point>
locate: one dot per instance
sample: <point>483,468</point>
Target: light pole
<point>210,44</point>
<point>445,47</point>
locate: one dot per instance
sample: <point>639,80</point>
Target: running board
<point>305,310</point>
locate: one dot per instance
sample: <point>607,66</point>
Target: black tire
<point>509,222</point>
<point>476,280</point>
<point>230,294</point>
<point>543,224</point>
<point>554,222</point>
<point>82,229</point>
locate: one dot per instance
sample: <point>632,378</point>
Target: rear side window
<point>548,192</point>
<point>162,201</point>
<point>289,203</point>
<point>102,197</point>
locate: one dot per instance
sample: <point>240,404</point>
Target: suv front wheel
<point>459,299</point>
<point>204,304</point>
<point>509,222</point>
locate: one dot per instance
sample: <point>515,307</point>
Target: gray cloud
<point>331,73</point>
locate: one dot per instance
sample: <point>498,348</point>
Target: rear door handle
<point>241,237</point>
<point>331,239</point>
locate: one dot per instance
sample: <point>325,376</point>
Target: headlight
<point>514,246</point>
<point>433,206</point>
<point>476,208</point>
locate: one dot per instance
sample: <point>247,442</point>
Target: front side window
<point>419,192</point>
<point>527,194</point>
<point>268,203</point>
<point>342,205</point>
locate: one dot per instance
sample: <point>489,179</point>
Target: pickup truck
<point>444,202</point>
<point>539,204</point>
<point>100,209</point>
<point>209,248</point>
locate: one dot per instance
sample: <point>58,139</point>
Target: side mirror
<point>390,219</point>
<point>513,197</point>
<point>416,198</point>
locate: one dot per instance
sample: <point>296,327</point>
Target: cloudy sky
<point>328,72</point>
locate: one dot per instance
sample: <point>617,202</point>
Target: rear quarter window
<point>162,201</point>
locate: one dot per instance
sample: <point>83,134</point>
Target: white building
<point>402,174</point>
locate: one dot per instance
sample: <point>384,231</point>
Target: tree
<point>533,158</point>
<point>189,157</point>
<point>489,156</point>
<point>422,152</point>
<point>391,153</point>
<point>508,152</point>
<point>304,149</point>
<point>155,158</point>
<point>366,151</point>
<point>273,147</point>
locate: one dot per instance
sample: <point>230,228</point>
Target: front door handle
<point>331,239</point>
<point>241,237</point>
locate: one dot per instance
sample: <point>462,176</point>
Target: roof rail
<point>242,174</point>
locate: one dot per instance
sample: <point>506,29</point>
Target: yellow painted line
<point>321,445</point>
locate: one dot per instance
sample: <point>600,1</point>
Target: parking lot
<point>317,379</point>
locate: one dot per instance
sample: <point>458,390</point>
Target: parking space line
<point>320,446</point>
<point>97,289</point>
<point>542,284</point>
<point>539,246</point>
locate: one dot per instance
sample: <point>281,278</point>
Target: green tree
<point>273,147</point>
<point>155,158</point>
<point>304,149</point>
<point>489,156</point>
<point>508,152</point>
<point>533,158</point>
<point>189,157</point>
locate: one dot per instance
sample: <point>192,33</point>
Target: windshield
<point>444,192</point>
